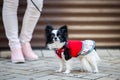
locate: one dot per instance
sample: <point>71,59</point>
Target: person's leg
<point>11,28</point>
<point>29,22</point>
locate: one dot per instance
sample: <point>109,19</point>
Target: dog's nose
<point>55,38</point>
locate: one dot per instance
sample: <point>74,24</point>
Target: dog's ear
<point>48,28</point>
<point>63,29</point>
<point>48,31</point>
<point>64,32</point>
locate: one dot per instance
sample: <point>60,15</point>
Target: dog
<point>66,49</point>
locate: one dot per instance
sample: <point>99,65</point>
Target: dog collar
<point>61,50</point>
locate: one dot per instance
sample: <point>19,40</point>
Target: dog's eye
<point>59,35</point>
<point>52,35</point>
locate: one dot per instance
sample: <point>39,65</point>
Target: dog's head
<point>56,38</point>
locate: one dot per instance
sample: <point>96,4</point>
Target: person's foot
<point>27,52</point>
<point>17,55</point>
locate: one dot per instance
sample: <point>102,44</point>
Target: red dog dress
<point>77,47</point>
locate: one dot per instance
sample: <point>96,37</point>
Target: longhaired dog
<point>66,49</point>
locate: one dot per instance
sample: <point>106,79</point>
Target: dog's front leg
<point>61,64</point>
<point>68,66</point>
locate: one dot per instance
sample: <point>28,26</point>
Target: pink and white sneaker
<point>17,55</point>
<point>27,52</point>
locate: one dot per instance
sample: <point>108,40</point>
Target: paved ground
<point>43,69</point>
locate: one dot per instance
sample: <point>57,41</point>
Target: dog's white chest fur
<point>55,45</point>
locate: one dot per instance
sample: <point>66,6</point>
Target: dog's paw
<point>58,71</point>
<point>67,71</point>
<point>95,71</point>
<point>82,70</point>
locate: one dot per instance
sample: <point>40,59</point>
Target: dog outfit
<point>77,47</point>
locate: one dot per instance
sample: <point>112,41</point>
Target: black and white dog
<point>67,49</point>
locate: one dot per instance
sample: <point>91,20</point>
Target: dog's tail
<point>85,65</point>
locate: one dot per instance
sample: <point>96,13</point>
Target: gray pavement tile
<point>53,77</point>
<point>116,76</point>
<point>114,52</point>
<point>3,73</point>
<point>107,78</point>
<point>43,69</point>
<point>75,74</point>
<point>95,76</point>
<point>48,77</point>
<point>48,53</point>
<point>38,52</point>
<point>103,53</point>
<point>21,77</point>
<point>11,76</point>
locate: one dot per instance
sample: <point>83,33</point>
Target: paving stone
<point>48,53</point>
<point>103,53</point>
<point>41,74</point>
<point>116,76</point>
<point>20,77</point>
<point>11,76</point>
<point>49,77</point>
<point>43,69</point>
<point>114,52</point>
<point>106,78</point>
<point>53,77</point>
<point>96,76</point>
<point>117,61</point>
<point>2,73</point>
<point>67,78</point>
<point>38,52</point>
<point>74,74</point>
<point>15,71</point>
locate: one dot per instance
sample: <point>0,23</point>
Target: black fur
<point>63,32</point>
<point>67,54</point>
<point>48,31</point>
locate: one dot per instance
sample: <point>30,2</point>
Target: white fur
<point>65,63</point>
<point>56,44</point>
<point>88,63</point>
<point>61,66</point>
<point>55,32</point>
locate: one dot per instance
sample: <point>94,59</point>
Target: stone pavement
<point>44,68</point>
